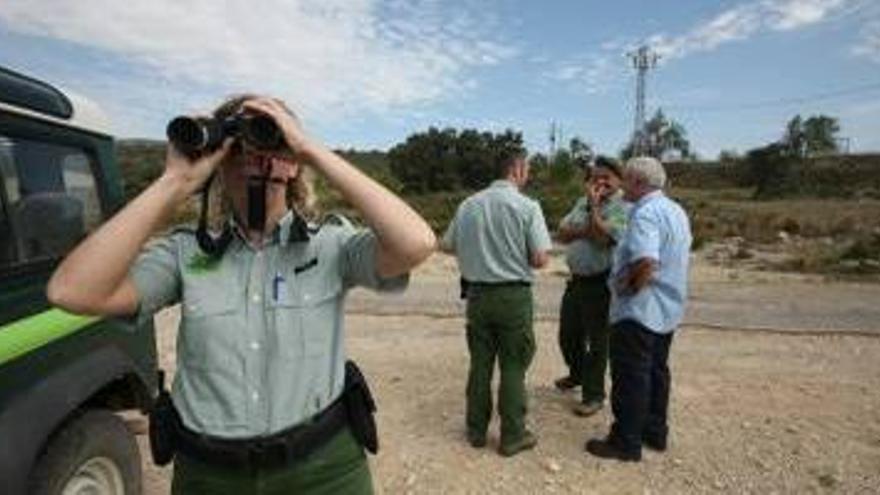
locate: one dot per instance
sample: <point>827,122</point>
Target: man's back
<point>495,232</point>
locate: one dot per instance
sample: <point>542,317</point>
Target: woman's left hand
<point>294,135</point>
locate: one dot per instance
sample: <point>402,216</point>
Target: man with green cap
<point>591,229</point>
<point>498,235</point>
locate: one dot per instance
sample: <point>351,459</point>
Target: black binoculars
<point>193,136</point>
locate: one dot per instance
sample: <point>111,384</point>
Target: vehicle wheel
<point>93,454</point>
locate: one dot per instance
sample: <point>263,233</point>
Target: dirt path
<point>719,297</point>
<point>752,412</point>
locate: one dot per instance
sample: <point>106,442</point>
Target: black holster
<point>360,406</point>
<point>164,424</point>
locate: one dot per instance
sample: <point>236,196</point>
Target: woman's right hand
<point>187,175</point>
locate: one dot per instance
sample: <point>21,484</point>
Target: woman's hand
<point>187,175</point>
<point>294,135</point>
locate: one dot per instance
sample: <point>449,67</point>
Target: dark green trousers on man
<point>583,333</point>
<point>499,325</point>
<point>338,467</point>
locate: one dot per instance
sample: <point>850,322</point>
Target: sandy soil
<point>775,390</point>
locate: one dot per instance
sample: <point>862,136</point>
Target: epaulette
<point>183,229</point>
<point>337,219</point>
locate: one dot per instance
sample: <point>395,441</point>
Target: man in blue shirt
<point>649,287</point>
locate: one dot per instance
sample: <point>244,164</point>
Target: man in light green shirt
<point>591,229</point>
<point>498,235</point>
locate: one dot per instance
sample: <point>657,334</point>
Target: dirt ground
<point>776,389</point>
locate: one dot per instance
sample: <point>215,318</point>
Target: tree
<point>728,156</point>
<point>793,140</point>
<point>816,135</point>
<point>820,133</point>
<point>771,171</point>
<point>539,161</point>
<point>661,138</point>
<point>581,152</point>
<point>449,159</point>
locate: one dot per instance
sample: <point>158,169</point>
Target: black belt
<point>506,283</point>
<point>275,450</point>
<point>595,278</point>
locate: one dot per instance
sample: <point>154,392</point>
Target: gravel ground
<point>753,411</point>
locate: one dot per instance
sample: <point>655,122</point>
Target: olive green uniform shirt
<point>260,342</point>
<point>588,256</point>
<point>494,232</point>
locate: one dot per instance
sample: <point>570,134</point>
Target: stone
<point>552,466</point>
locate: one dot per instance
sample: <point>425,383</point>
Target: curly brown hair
<point>300,190</point>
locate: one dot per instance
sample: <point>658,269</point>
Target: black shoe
<point>566,383</point>
<point>527,442</point>
<point>608,449</point>
<point>654,442</point>
<point>586,409</point>
<point>476,440</point>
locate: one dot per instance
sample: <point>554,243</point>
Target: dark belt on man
<point>466,284</point>
<point>595,278</point>
<point>276,450</point>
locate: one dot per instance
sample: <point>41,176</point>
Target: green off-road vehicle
<point>63,377</point>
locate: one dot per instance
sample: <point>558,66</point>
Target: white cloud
<point>600,70</point>
<point>786,15</point>
<point>743,21</point>
<point>328,58</point>
<point>869,42</point>
<point>594,72</point>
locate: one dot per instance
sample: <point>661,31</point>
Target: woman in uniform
<point>260,390</point>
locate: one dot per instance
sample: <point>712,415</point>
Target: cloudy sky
<point>367,73</point>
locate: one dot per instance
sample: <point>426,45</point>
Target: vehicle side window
<point>50,200</point>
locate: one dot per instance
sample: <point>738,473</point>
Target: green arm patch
<point>201,263</point>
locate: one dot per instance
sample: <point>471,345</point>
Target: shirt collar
<point>647,198</point>
<point>280,234</point>
<point>502,183</point>
<point>282,231</point>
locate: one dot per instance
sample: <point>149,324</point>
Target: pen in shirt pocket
<point>279,287</point>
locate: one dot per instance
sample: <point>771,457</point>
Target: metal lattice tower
<point>643,60</point>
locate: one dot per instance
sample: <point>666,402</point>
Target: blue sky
<point>367,73</point>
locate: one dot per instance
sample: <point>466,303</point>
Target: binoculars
<point>193,136</point>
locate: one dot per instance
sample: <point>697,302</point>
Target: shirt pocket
<point>208,331</point>
<point>308,313</point>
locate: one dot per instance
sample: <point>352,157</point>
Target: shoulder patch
<point>337,219</point>
<point>183,229</point>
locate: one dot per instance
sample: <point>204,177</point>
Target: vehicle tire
<point>93,453</point>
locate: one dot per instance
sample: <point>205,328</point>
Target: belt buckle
<point>260,454</point>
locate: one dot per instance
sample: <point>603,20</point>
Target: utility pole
<point>643,59</point>
<point>552,152</point>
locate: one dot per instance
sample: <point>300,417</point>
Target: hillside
<point>830,225</point>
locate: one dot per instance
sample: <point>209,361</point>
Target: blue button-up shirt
<point>658,229</point>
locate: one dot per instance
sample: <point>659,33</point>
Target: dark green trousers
<point>499,325</point>
<point>583,334</point>
<point>339,467</point>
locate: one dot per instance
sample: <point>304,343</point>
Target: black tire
<point>94,435</point>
